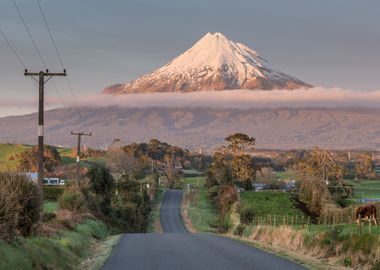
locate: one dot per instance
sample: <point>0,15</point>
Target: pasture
<point>266,203</point>
<point>364,189</point>
<point>7,152</point>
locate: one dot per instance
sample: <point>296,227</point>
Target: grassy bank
<point>154,224</point>
<point>66,250</point>
<point>336,247</point>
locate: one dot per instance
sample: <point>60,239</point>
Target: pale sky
<point>329,43</point>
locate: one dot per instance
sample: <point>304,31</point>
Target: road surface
<point>177,249</point>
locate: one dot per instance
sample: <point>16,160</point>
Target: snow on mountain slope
<point>213,63</point>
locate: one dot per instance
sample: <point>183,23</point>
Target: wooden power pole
<point>40,156</point>
<point>79,134</point>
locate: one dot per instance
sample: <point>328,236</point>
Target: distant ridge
<point>331,128</point>
<point>213,63</point>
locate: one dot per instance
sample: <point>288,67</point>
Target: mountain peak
<point>213,63</point>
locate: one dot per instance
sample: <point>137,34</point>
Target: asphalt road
<point>177,249</point>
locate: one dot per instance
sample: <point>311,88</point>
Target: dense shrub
<point>19,206</point>
<point>72,199</point>
<point>52,193</point>
<point>247,215</point>
<point>227,196</point>
<point>239,230</point>
<point>102,184</point>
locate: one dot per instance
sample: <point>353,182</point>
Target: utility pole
<point>40,156</point>
<point>79,134</point>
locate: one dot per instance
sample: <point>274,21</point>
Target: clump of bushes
<point>239,230</point>
<point>72,199</point>
<point>19,206</point>
<point>223,197</point>
<point>247,215</point>
<point>52,193</point>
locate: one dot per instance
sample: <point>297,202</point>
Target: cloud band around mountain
<point>243,99</point>
<point>238,99</point>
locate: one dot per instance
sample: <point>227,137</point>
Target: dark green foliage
<point>247,215</point>
<point>102,184</point>
<point>52,193</point>
<point>239,230</point>
<point>131,207</point>
<point>347,262</point>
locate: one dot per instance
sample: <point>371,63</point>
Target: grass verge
<point>201,212</point>
<point>100,250</point>
<point>154,224</point>
<point>66,250</point>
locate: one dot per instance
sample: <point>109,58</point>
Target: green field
<point>7,151</point>
<point>194,182</point>
<point>365,189</point>
<point>269,203</point>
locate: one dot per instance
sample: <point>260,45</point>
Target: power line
<point>13,49</point>
<point>36,48</point>
<point>19,58</point>
<point>50,34</point>
<point>62,64</point>
<point>29,33</point>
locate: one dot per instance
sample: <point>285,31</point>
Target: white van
<point>54,182</point>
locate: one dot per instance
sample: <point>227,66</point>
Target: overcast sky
<point>326,43</point>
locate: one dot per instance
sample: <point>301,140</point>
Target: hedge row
<point>53,192</point>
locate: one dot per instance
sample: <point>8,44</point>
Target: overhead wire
<point>36,48</point>
<point>76,106</point>
<point>16,54</point>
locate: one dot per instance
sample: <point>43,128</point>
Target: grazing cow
<point>366,212</point>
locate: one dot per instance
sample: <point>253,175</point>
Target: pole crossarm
<point>45,73</point>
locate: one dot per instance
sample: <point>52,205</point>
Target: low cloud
<point>239,99</point>
<point>242,99</point>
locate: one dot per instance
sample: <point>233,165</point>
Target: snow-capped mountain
<point>213,63</point>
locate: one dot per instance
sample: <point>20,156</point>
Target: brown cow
<point>366,212</point>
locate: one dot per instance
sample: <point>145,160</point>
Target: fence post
<point>369,225</point>
<point>274,220</point>
<point>292,221</point>
<point>307,224</point>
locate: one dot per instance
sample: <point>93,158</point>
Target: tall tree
<point>240,143</point>
<point>321,164</point>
